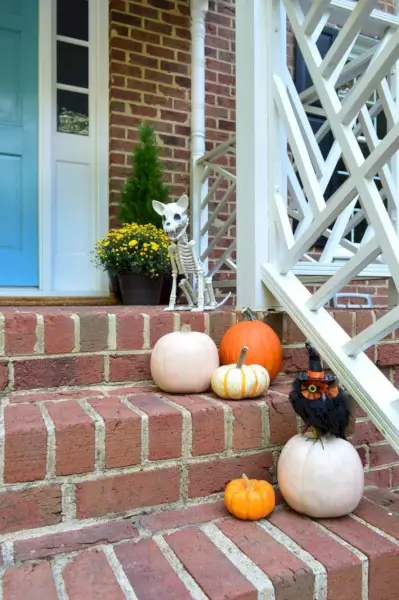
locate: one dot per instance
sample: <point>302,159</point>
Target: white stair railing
<point>217,199</point>
<point>299,190</point>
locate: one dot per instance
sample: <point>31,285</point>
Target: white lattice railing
<point>218,215</point>
<point>280,116</point>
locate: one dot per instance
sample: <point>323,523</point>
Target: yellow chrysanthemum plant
<point>140,249</point>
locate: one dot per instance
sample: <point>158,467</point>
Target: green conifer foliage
<point>145,184</point>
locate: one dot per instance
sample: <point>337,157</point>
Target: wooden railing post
<point>261,150</point>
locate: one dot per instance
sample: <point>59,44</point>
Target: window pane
<point>72,65</point>
<point>73,19</point>
<point>72,112</point>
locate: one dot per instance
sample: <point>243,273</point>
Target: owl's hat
<point>315,370</point>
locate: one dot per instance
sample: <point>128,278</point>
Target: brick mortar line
<point>380,468</point>
<point>58,564</point>
<point>146,331</point>
<point>265,422</point>
<point>187,445</point>
<point>375,529</point>
<point>151,466</point>
<point>188,581</point>
<point>2,335</point>
<point>177,324</point>
<point>119,573</point>
<point>388,508</point>
<point>76,332</point>
<point>277,392</point>
<point>364,561</point>
<point>187,425</point>
<point>11,377</point>
<point>378,443</point>
<point>145,430</point>
<point>228,422</point>
<point>112,332</point>
<point>8,553</point>
<point>260,581</point>
<point>16,358</point>
<point>134,515</point>
<point>2,444</point>
<point>39,332</point>
<point>51,442</point>
<point>68,502</point>
<point>207,323</point>
<point>145,533</point>
<point>99,435</point>
<point>318,569</point>
<point>100,387</point>
<point>366,454</point>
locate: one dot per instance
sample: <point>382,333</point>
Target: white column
<point>261,151</point>
<point>199,9</point>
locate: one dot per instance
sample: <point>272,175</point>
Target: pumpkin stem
<point>242,357</point>
<point>185,328</point>
<point>248,314</point>
<point>247,482</point>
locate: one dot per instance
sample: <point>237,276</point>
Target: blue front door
<point>18,143</point>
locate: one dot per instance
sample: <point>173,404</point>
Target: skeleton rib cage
<point>184,258</point>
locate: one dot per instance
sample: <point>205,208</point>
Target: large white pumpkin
<point>183,362</point>
<point>321,481</point>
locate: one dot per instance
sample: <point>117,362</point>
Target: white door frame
<point>47,116</point>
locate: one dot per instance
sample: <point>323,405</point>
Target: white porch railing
<point>347,118</point>
<point>273,257</point>
<point>218,209</point>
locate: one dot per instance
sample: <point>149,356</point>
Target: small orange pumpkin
<point>249,499</point>
<point>264,345</point>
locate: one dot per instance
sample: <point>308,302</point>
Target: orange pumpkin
<point>264,345</point>
<point>249,499</point>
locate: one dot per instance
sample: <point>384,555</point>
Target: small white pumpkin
<point>183,362</point>
<point>321,479</point>
<point>235,382</point>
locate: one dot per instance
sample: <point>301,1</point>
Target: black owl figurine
<point>319,401</point>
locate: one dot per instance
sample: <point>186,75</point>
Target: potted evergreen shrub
<point>144,185</point>
<point>139,255</point>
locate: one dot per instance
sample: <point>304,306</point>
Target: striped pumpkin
<point>238,381</point>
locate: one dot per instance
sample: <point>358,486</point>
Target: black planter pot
<point>114,285</point>
<point>140,289</point>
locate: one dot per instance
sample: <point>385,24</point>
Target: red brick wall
<point>150,79</point>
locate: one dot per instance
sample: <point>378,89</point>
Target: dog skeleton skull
<point>174,217</point>
<point>184,259</point>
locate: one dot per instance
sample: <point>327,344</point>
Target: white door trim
<point>47,116</point>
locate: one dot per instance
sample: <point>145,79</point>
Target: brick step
<point>85,453</point>
<point>201,552</point>
<point>51,347</point>
<point>97,451</point>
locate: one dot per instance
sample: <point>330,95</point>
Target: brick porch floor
<point>200,553</point>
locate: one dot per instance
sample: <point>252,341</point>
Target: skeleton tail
<point>219,304</point>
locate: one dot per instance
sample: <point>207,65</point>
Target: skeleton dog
<point>184,259</point>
